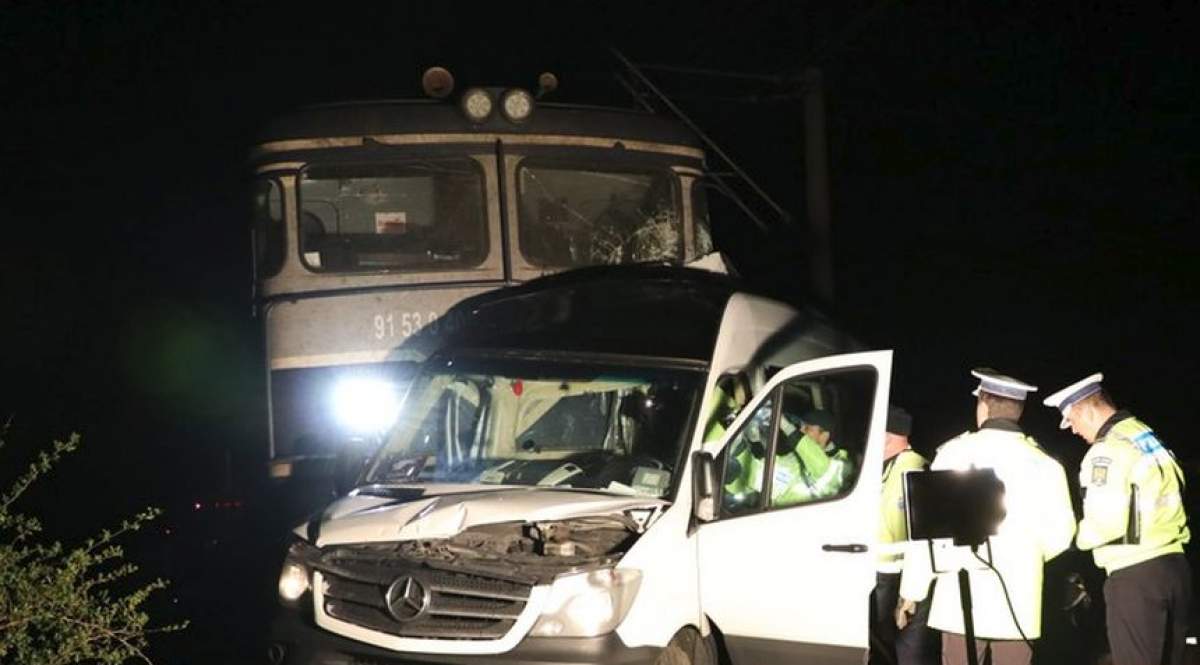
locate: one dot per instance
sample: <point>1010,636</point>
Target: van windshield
<point>516,421</point>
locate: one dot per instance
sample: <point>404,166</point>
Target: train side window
<point>268,228</point>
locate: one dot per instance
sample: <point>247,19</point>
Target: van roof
<point>648,311</point>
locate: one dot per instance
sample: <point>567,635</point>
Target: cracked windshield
<point>550,424</point>
<point>575,217</point>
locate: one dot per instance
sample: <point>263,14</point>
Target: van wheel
<point>688,648</point>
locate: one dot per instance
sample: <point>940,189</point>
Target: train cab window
<point>571,217</point>
<point>269,239</point>
<point>416,216</point>
<point>703,243</point>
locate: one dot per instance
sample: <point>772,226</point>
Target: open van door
<point>788,563</point>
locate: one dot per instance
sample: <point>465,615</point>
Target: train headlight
<point>477,104</point>
<point>516,105</point>
<point>366,406</point>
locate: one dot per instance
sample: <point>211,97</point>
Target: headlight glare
<point>588,604</point>
<point>296,575</point>
<point>293,582</point>
<point>365,405</point>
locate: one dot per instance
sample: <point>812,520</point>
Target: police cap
<point>1072,394</point>
<point>1001,385</point>
<point>820,418</point>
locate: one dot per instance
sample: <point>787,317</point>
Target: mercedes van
<point>586,468</point>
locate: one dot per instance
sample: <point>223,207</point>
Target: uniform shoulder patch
<point>1100,471</point>
<point>1147,442</point>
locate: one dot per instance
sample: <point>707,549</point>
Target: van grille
<point>441,604</point>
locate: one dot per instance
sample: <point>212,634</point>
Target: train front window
<point>573,217</point>
<point>420,215</point>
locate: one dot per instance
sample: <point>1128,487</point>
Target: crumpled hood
<point>366,518</point>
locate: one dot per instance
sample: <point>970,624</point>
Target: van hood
<point>425,513</point>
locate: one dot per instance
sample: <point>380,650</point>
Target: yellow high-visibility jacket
<point>1126,455</point>
<point>893,524</point>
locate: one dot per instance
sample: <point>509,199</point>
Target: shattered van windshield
<point>572,217</point>
<point>507,421</point>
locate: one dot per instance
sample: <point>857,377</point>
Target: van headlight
<point>295,579</point>
<point>588,604</point>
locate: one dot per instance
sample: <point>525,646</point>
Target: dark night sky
<point>1013,186</point>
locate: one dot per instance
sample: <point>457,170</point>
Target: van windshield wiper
<point>403,470</point>
<point>391,491</point>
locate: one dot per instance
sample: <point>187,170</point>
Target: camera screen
<point>967,506</point>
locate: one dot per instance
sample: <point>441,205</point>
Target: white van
<point>566,482</point>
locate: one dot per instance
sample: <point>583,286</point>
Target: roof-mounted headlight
<point>516,105</point>
<point>477,104</point>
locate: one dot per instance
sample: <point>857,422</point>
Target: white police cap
<point>1065,398</point>
<point>1002,385</point>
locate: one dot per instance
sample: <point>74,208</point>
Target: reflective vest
<point>1038,525</point>
<point>805,473</point>
<point>721,405</point>
<point>893,524</point>
<point>1128,466</point>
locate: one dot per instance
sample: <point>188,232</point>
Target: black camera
<point>966,506</point>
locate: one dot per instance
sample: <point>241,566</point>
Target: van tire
<point>688,648</point>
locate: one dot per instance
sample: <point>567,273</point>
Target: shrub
<point>63,605</point>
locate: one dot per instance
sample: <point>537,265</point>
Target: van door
<point>787,567</point>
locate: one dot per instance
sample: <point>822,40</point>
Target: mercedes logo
<point>407,598</point>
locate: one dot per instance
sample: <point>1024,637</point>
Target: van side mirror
<point>704,486</point>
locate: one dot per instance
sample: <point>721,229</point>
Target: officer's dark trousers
<point>988,652</point>
<point>1148,605</point>
<point>917,644</point>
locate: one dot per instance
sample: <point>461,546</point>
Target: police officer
<point>828,473</point>
<point>1038,525</point>
<point>803,470</point>
<point>729,396</point>
<point>914,643</point>
<point>1134,523</point>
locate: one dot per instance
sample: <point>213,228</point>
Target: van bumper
<point>296,640</point>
